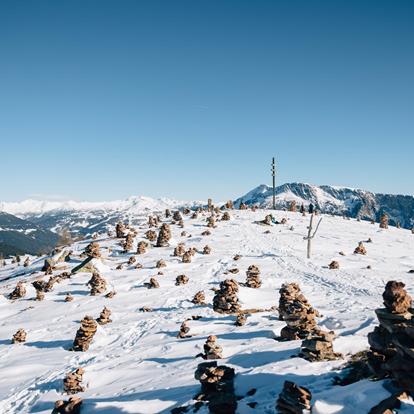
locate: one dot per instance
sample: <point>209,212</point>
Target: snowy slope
<point>137,365</point>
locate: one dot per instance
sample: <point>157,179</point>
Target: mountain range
<point>32,226</point>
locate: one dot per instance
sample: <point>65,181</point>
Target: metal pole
<point>274,183</point>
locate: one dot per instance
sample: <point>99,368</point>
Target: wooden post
<point>310,236</point>
<point>274,183</point>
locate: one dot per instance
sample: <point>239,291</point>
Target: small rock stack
<point>392,341</point>
<point>72,381</point>
<point>211,221</point>
<point>92,250</point>
<point>18,292</point>
<point>72,406</point>
<point>181,280</point>
<point>241,319</point>
<point>161,263</point>
<point>225,299</point>
<point>226,216</point>
<point>68,298</point>
<point>184,330</point>
<point>153,283</point>
<point>253,277</point>
<point>85,334</point>
<point>360,249</point>
<point>104,317</point>
<point>26,262</point>
<point>187,256</point>
<point>297,312</point>
<point>48,266</point>
<point>19,336</point>
<point>212,350</point>
<point>318,347</point>
<point>293,399</point>
<point>384,221</point>
<point>120,230</point>
<point>199,298</point>
<point>334,265</point>
<point>129,241</point>
<point>164,236</point>
<point>167,213</point>
<point>206,249</point>
<point>292,206</point>
<point>97,284</point>
<point>177,216</point>
<point>151,235</point>
<point>267,220</point>
<point>179,250</point>
<point>142,247</point>
<point>217,387</point>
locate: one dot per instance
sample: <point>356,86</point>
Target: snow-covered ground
<point>137,365</point>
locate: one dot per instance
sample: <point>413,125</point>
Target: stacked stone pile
<point>85,334</point>
<point>142,247</point>
<point>181,280</point>
<point>18,292</point>
<point>384,221</point>
<point>293,399</point>
<point>120,230</point>
<point>225,299</point>
<point>212,350</point>
<point>104,317</point>
<point>72,381</point>
<point>93,250</point>
<point>151,235</point>
<point>318,347</point>
<point>199,298</point>
<point>97,284</point>
<point>19,336</point>
<point>253,277</point>
<point>360,249</point>
<point>164,236</point>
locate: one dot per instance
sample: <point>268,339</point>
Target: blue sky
<point>190,99</point>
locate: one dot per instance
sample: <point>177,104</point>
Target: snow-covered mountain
<point>336,200</point>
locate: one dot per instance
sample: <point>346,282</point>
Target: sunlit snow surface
<point>137,365</point>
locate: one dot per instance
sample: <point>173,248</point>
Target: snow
<point>137,365</point>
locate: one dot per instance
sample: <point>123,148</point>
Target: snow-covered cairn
<point>391,342</point>
<point>97,284</point>
<point>72,406</point>
<point>217,387</point>
<point>293,399</point>
<point>142,247</point>
<point>384,221</point>
<point>104,317</point>
<point>19,336</point>
<point>212,350</point>
<point>179,250</point>
<point>253,277</point>
<point>18,292</point>
<point>93,250</point>
<point>85,334</point>
<point>164,236</point>
<point>151,235</point>
<point>225,299</point>
<point>297,312</point>
<point>72,381</point>
<point>360,249</point>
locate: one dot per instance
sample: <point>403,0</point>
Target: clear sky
<point>190,99</point>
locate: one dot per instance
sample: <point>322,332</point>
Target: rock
<point>19,336</point>
<point>184,330</point>
<point>179,250</point>
<point>72,381</point>
<point>128,243</point>
<point>132,260</point>
<point>237,257</point>
<point>229,205</point>
<point>396,298</point>
<point>110,294</point>
<point>187,256</point>
<point>253,277</point>
<point>153,283</point>
<point>97,284</point>
<point>85,334</point>
<point>267,220</point>
<point>360,249</point>
<point>48,266</point>
<point>206,249</point>
<point>151,235</point>
<point>142,247</point>
<point>161,263</point>
<point>217,387</point>
<point>120,230</point>
<point>226,216</point>
<point>334,265</point>
<point>390,404</point>
<point>212,350</point>
<point>206,233</point>
<point>26,262</point>
<point>199,298</point>
<point>177,216</point>
<point>72,406</point>
<point>104,317</point>
<point>19,291</point>
<point>68,298</point>
<point>292,206</point>
<point>211,222</point>
<point>164,236</point>
<point>293,399</point>
<point>93,250</point>
<point>145,309</point>
<point>225,299</point>
<point>181,280</point>
<point>241,319</point>
<point>384,221</point>
<point>233,270</point>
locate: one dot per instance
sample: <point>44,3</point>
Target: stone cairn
<point>226,216</point>
<point>318,347</point>
<point>151,235</point>
<point>293,399</point>
<point>153,283</point>
<point>225,299</point>
<point>19,336</point>
<point>164,236</point>
<point>48,266</point>
<point>206,249</point>
<point>92,250</point>
<point>72,381</point>
<point>167,213</point>
<point>181,280</point>
<point>242,206</point>
<point>85,334</point>
<point>104,317</point>
<point>199,298</point>
<point>72,406</point>
<point>142,247</point>
<point>267,220</point>
<point>297,312</point>
<point>360,249</point>
<point>217,387</point>
<point>241,319</point>
<point>132,260</point>
<point>391,342</point>
<point>26,262</point>
<point>177,216</point>
<point>18,292</point>
<point>97,284</point>
<point>229,205</point>
<point>187,256</point>
<point>68,298</point>
<point>384,221</point>
<point>211,222</point>
<point>152,221</point>
<point>334,265</point>
<point>212,350</point>
<point>161,263</point>
<point>292,206</point>
<point>179,250</point>
<point>253,277</point>
<point>120,230</point>
<point>184,330</point>
<point>129,241</point>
